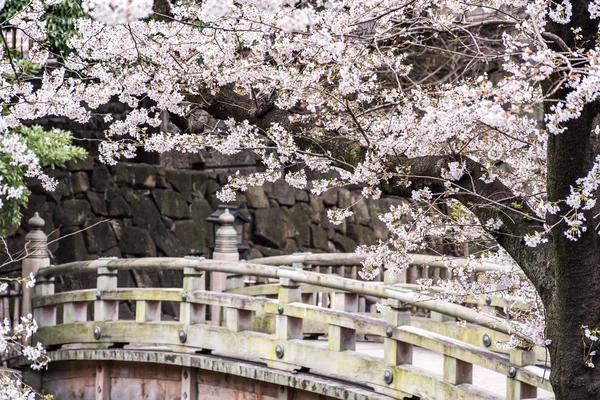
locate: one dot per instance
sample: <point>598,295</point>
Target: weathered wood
<point>395,351</point>
<point>341,338</point>
<point>106,310</point>
<point>74,312</point>
<point>237,320</point>
<point>146,311</point>
<point>516,389</point>
<point>103,388</point>
<point>45,316</point>
<point>192,313</point>
<point>189,384</point>
<point>287,327</point>
<point>456,371</point>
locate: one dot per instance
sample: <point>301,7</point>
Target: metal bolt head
<point>512,372</point>
<point>185,375</point>
<point>98,294</point>
<point>487,340</point>
<point>184,296</point>
<point>182,336</point>
<point>97,333</point>
<point>185,395</point>
<point>488,300</point>
<point>279,351</point>
<point>280,309</point>
<point>389,331</point>
<point>388,376</point>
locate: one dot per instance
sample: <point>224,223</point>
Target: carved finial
<point>36,222</point>
<point>226,218</point>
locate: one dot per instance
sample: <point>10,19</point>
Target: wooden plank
<point>103,381</point>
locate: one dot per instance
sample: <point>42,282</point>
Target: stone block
<point>181,181</point>
<point>97,202</point>
<point>301,215</point>
<point>316,204</point>
<point>171,204</point>
<point>361,234</point>
<point>166,242</point>
<point>301,196</point>
<point>201,209</point>
<point>137,242</point>
<point>136,175</point>
<point>199,181</point>
<point>190,236</point>
<point>146,214</point>
<point>318,237</point>
<point>271,227</point>
<point>80,182</point>
<point>99,235</point>
<point>118,207</point>
<point>283,193</point>
<point>256,197</point>
<point>211,187</point>
<point>330,197</point>
<point>71,212</point>
<point>345,244</point>
<point>86,164</point>
<point>71,246</point>
<point>101,177</point>
<point>268,251</point>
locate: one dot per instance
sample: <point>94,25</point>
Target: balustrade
<point>239,335</point>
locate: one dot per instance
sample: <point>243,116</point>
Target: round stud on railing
<point>388,376</point>
<point>182,336</point>
<point>512,372</point>
<point>97,333</point>
<point>487,340</point>
<point>488,300</point>
<point>98,294</point>
<point>389,331</point>
<point>279,351</point>
<point>183,296</point>
<point>280,309</point>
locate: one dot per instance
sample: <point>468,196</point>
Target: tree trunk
<point>576,302</point>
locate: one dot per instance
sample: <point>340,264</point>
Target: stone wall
<point>140,210</point>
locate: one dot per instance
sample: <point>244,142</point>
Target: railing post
<point>225,250</point>
<point>106,310</point>
<point>395,352</point>
<point>516,389</point>
<point>340,338</point>
<point>36,250</point>
<point>192,313</point>
<point>287,328</point>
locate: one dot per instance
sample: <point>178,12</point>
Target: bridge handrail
<point>298,275</point>
<point>340,259</point>
<point>451,348</point>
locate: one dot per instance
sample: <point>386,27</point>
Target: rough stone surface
<point>256,197</point>
<point>136,175</point>
<point>361,234</point>
<point>97,202</point>
<point>146,214</point>
<point>330,197</point>
<point>271,227</point>
<point>318,237</point>
<point>301,213</point>
<point>167,243</point>
<point>190,236</point>
<point>72,213</point>
<point>181,181</point>
<point>118,207</point>
<point>71,246</point>
<point>101,177</point>
<point>283,193</point>
<point>99,235</point>
<point>137,242</point>
<point>344,243</point>
<point>80,182</point>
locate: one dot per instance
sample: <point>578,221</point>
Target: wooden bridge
<point>290,327</point>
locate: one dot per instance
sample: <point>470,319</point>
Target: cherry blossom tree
<point>484,113</point>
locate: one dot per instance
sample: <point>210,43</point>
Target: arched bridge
<point>274,328</point>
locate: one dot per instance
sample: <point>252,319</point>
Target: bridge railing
<point>65,321</point>
<point>392,374</point>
